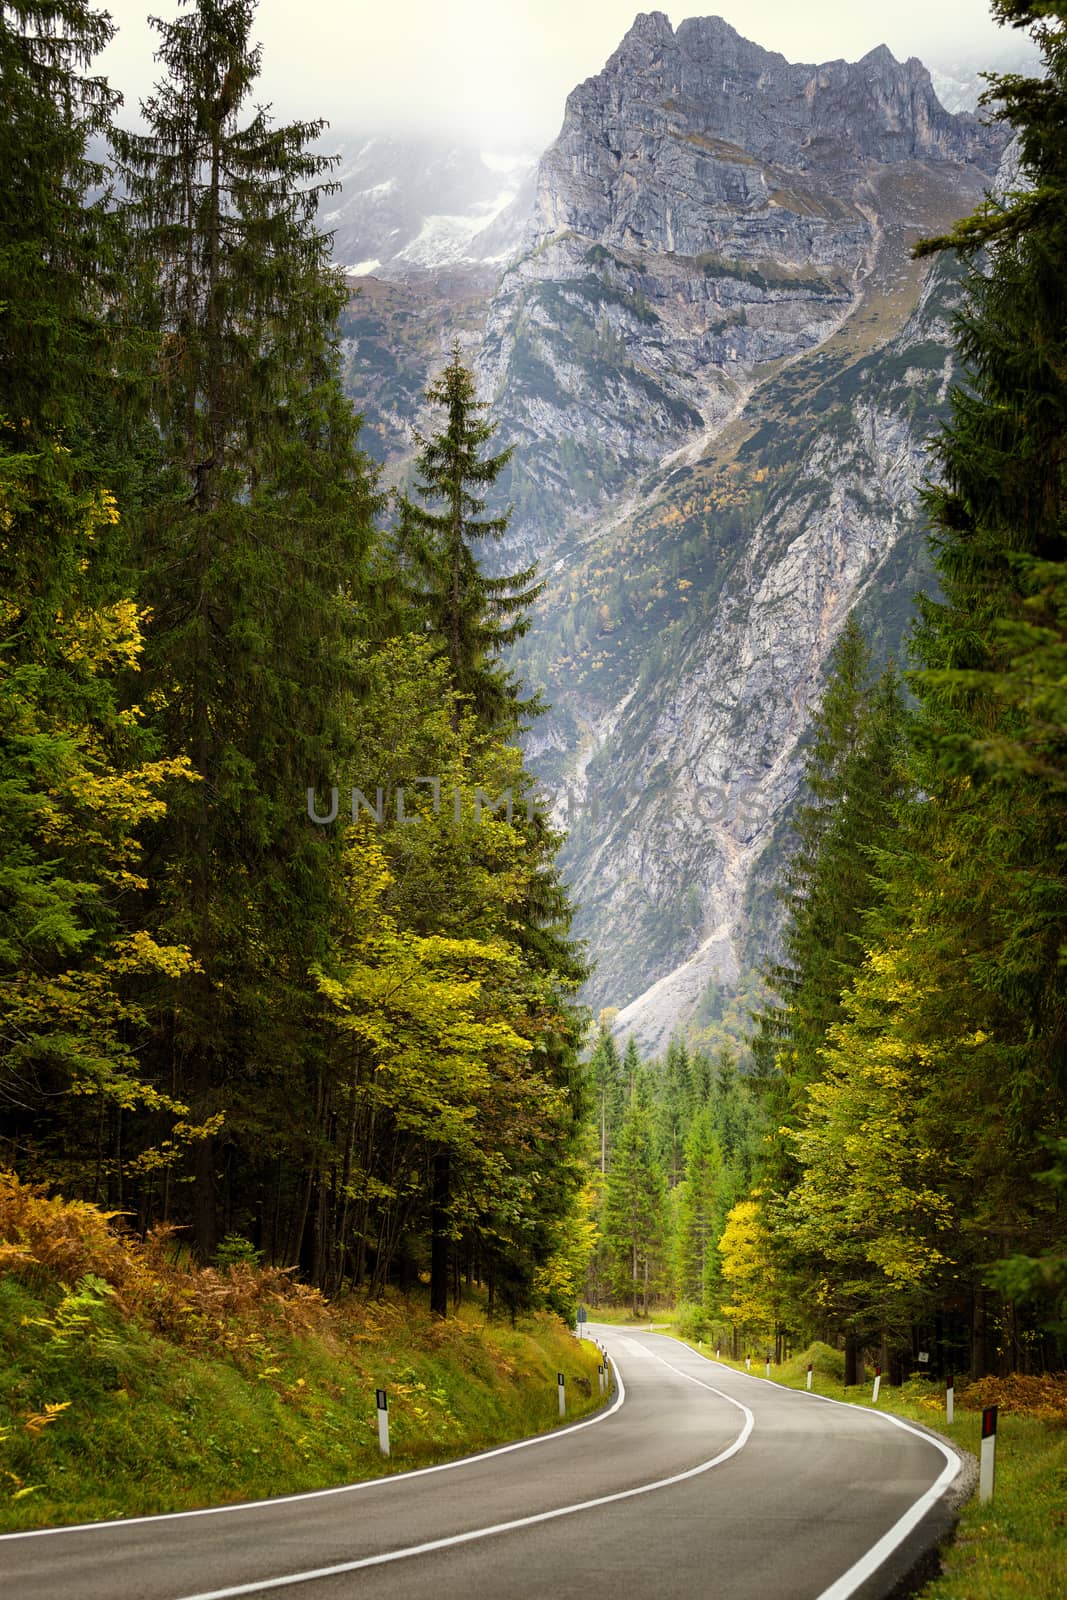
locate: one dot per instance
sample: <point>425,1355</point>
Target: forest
<point>350,1048</point>
<point>357,1047</point>
<point>892,1175</point>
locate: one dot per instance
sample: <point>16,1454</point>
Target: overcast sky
<point>500,70</point>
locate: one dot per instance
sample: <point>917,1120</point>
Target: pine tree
<point>76,782</point>
<point>251,560</point>
<point>984,857</point>
<point>675,1110</point>
<point>635,1208</point>
<point>853,782</point>
<point>702,1210</point>
<point>605,1070</point>
<point>474,616</point>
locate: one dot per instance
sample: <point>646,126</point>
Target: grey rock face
<point>719,365</point>
<point>707,209</point>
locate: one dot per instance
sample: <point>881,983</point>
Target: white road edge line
<point>739,1443</point>
<point>883,1548</point>
<point>323,1494</point>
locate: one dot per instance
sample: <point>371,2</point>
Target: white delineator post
<point>718,1351</point>
<point>988,1457</point>
<point>383,1422</point>
<point>600,1375</point>
<point>809,1374</point>
<point>562,1394</point>
<point>950,1399</point>
<point>877,1384</point>
<point>748,1363</point>
<point>767,1368</point>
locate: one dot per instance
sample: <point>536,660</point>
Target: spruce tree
<point>54,251</point>
<point>76,786</point>
<point>985,850</point>
<point>474,616</point>
<point>252,561</point>
<point>635,1208</point>
<point>702,1210</point>
<point>853,781</point>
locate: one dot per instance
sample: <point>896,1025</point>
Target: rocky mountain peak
<point>727,87</point>
<point>650,25</point>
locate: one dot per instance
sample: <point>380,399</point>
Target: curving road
<point>697,1482</point>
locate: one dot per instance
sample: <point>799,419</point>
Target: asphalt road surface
<point>697,1482</point>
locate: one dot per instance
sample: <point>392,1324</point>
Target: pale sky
<point>500,70</point>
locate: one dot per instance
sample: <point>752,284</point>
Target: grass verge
<point>1014,1547</point>
<point>131,1383</point>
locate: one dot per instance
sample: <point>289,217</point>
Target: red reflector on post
<point>989,1422</point>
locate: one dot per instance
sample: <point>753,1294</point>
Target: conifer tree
<point>76,784</point>
<point>251,558</point>
<point>474,616</point>
<point>675,1110</point>
<point>984,852</point>
<point>702,1210</point>
<point>853,781</point>
<point>606,1072</point>
<point>635,1208</point>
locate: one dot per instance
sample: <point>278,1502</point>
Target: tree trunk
<point>439,1223</point>
<point>851,1359</point>
<point>981,1351</point>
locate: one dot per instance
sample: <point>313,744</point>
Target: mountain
<point>421,227</point>
<point>719,364</point>
<point>708,209</point>
<point>413,203</point>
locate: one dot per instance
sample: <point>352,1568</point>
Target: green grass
<point>1015,1547</point>
<point>149,1425</point>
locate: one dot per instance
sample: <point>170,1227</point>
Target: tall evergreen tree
<point>75,782</point>
<point>853,782</point>
<point>250,558</point>
<point>635,1208</point>
<point>675,1110</point>
<point>702,1210</point>
<point>985,856</point>
<point>472,618</point>
<point>473,615</point>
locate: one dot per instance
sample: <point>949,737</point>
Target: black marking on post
<point>383,1400</point>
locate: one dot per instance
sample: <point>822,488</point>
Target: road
<point>698,1482</point>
